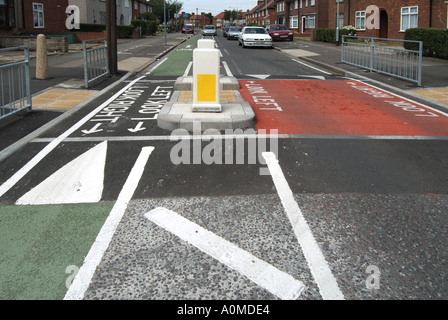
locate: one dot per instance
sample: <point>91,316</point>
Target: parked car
<point>209,30</point>
<point>254,37</point>
<point>234,32</point>
<point>280,32</point>
<point>226,28</point>
<point>188,28</point>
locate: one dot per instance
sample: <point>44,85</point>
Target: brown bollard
<point>41,58</point>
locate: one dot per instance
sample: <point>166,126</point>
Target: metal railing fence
<point>387,56</point>
<point>15,83</point>
<point>96,65</point>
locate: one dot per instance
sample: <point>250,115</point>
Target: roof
<point>220,16</point>
<point>262,6</point>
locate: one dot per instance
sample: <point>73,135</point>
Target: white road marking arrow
<point>139,127</point>
<point>93,130</point>
<point>79,181</point>
<point>259,76</point>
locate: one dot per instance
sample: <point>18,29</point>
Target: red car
<point>188,28</point>
<point>279,32</point>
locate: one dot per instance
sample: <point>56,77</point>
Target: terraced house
<point>378,18</point>
<point>393,17</point>
<point>49,16</point>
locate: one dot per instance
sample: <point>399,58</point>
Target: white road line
<point>226,67</point>
<point>404,98</point>
<point>85,274</point>
<point>319,268</point>
<point>187,71</point>
<point>279,283</point>
<point>156,66</point>
<point>307,65</point>
<point>246,136</point>
<point>6,186</point>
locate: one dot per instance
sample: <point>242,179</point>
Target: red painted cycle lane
<point>338,107</point>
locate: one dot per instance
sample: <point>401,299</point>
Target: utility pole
<point>111,30</point>
<point>337,23</point>
<point>164,19</point>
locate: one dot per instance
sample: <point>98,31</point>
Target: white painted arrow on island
<point>93,130</point>
<point>79,181</point>
<point>139,127</point>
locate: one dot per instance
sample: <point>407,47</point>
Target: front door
<point>384,24</point>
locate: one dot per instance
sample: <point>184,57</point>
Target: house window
<point>294,22</point>
<point>38,15</point>
<point>313,2</point>
<point>409,18</point>
<point>360,20</point>
<point>126,3</point>
<point>341,21</point>
<point>310,22</point>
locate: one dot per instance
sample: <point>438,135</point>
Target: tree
<point>210,17</point>
<point>171,5</point>
<point>232,15</point>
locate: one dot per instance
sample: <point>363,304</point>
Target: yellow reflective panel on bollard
<point>206,87</point>
<point>206,80</point>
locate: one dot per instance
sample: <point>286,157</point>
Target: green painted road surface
<point>39,243</point>
<point>178,60</point>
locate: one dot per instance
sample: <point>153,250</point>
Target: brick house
<point>394,16</point>
<point>139,7</point>
<point>218,20</point>
<point>45,16</point>
<point>263,13</point>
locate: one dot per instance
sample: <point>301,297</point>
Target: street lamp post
<point>164,19</point>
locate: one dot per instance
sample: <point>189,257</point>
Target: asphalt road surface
<point>354,208</point>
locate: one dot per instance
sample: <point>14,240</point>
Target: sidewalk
<point>64,89</point>
<point>328,56</point>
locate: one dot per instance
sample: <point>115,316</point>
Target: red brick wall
<point>54,16</point>
<point>393,11</point>
<point>81,36</point>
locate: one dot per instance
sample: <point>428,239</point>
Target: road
<point>355,207</point>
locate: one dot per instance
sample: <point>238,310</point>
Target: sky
<point>216,7</point>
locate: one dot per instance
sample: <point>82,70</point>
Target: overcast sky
<point>216,7</point>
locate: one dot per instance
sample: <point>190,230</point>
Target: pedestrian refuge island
<point>204,100</point>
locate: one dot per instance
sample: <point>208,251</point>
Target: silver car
<point>234,32</point>
<point>209,30</point>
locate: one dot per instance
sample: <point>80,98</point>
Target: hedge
<point>435,41</point>
<point>122,31</point>
<point>329,34</point>
<point>148,27</point>
<point>91,27</point>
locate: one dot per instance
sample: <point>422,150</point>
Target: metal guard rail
<point>393,61</point>
<point>96,65</point>
<point>15,84</point>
